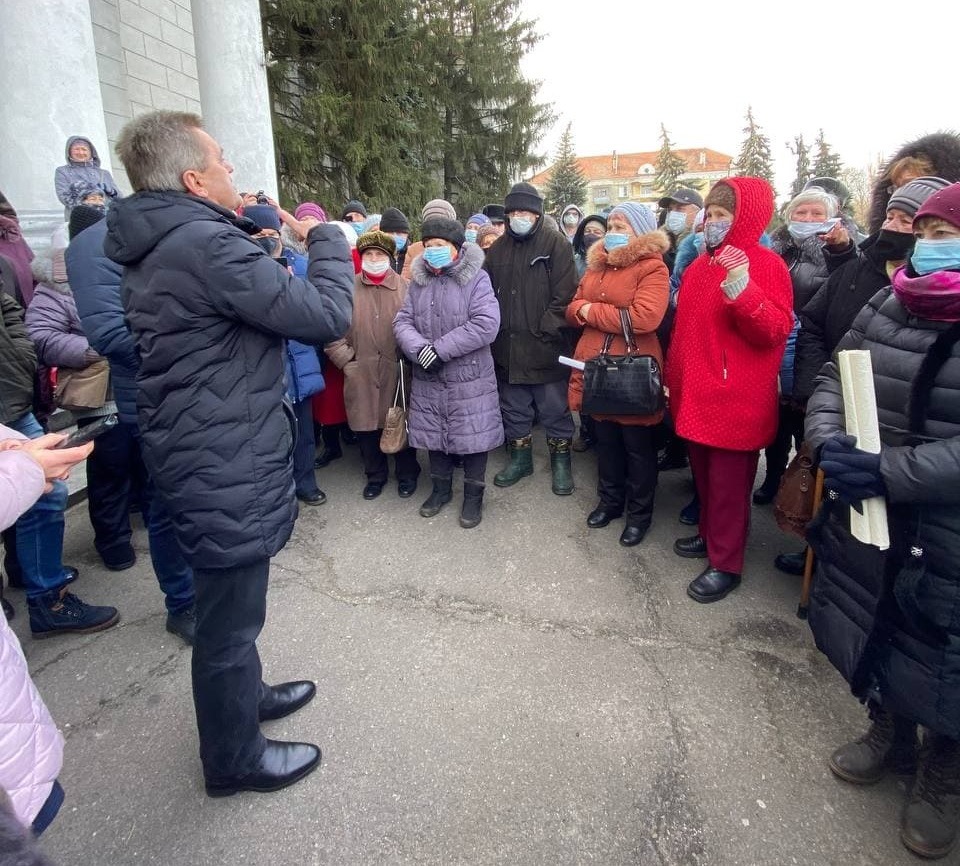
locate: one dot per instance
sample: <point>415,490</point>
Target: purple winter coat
<point>457,408</point>
<point>54,326</point>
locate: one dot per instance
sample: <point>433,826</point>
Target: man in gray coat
<point>209,311</point>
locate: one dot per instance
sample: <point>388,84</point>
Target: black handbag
<point>630,384</point>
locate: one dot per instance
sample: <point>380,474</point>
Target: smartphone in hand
<point>88,433</point>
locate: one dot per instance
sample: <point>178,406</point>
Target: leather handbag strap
<point>627,331</point>
<point>400,396</point>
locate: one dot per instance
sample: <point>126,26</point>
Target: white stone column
<point>50,90</point>
<point>233,88</point>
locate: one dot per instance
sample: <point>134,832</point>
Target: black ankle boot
<point>439,497</point>
<point>929,825</point>
<point>472,511</point>
<point>890,745</point>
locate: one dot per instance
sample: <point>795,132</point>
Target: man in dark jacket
<point>209,310</point>
<point>534,277</point>
<point>95,281</point>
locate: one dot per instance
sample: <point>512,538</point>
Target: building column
<point>51,90</point>
<point>233,89</point>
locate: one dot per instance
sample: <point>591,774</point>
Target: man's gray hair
<point>158,147</point>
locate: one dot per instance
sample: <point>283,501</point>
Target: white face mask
<point>520,225</point>
<point>375,268</point>
<point>676,221</point>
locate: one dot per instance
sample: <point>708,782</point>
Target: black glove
<point>850,475</point>
<point>428,359</point>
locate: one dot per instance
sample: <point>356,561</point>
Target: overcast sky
<point>617,70</point>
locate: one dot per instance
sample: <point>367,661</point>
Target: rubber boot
<point>472,511</point>
<point>520,465</point>
<point>439,497</point>
<point>929,824</point>
<point>562,474</point>
<point>890,745</point>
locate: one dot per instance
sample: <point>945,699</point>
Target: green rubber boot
<point>560,468</point>
<point>520,465</point>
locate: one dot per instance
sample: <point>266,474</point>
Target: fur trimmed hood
<point>463,270</point>
<point>654,243</point>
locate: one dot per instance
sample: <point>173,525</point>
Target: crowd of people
<point>241,345</point>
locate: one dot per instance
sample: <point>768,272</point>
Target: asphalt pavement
<point>526,692</point>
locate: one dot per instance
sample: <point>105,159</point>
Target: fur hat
<point>722,195</point>
<point>494,212</point>
<point>394,220</point>
<point>943,204</point>
<point>913,194</point>
<point>264,215</point>
<point>377,241</point>
<point>353,206</point>
<point>523,196</point>
<point>438,209</point>
<point>83,216</point>
<point>641,218</point>
<point>446,229</point>
<point>310,209</point>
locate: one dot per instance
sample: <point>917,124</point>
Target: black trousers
<point>231,608</point>
<point>474,466</point>
<point>789,433</point>
<point>375,462</point>
<point>627,470</point>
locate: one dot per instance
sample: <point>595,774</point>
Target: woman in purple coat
<point>445,326</point>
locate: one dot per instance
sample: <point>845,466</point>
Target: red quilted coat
<point>725,355</point>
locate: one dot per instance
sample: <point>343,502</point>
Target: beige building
<point>614,178</point>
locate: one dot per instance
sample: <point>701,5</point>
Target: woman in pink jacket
<point>31,748</point>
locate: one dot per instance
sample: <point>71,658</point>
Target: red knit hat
<point>944,203</point>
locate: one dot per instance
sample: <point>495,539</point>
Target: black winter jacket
<point>209,310</point>
<point>534,279</point>
<point>808,270</point>
<point>831,311</point>
<point>18,362</point>
<point>890,621</point>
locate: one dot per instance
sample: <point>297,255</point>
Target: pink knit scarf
<point>933,296</point>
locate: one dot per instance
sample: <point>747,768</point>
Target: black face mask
<point>894,246</point>
<point>590,240</point>
<point>271,246</point>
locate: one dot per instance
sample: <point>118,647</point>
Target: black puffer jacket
<point>808,270</point>
<point>209,310</point>
<point>18,362</point>
<point>890,622</point>
<point>534,279</point>
<point>830,313</point>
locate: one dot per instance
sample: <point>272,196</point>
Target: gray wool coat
<point>457,408</point>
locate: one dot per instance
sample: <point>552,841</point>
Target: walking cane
<point>808,562</point>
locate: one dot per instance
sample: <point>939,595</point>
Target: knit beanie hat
<point>438,208</point>
<point>484,232</point>
<point>523,196</point>
<point>377,241</point>
<point>83,216</point>
<point>353,206</point>
<point>479,219</point>
<point>722,195</point>
<point>264,215</point>
<point>494,212</point>
<point>913,194</point>
<point>944,203</point>
<point>641,218</point>
<point>310,209</point>
<point>394,220</point>
<point>446,229</point>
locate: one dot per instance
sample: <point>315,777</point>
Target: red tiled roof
<point>623,166</point>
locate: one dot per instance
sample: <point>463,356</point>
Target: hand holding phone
<point>87,434</point>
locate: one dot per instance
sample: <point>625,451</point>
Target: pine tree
<point>670,166</point>
<point>826,163</point>
<point>566,185</point>
<point>755,159</point>
<point>802,152</point>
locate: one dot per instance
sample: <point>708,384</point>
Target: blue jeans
<point>40,530</point>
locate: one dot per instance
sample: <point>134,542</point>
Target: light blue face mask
<point>520,225</point>
<point>612,240</point>
<point>471,235</point>
<point>438,257</point>
<point>930,256</point>
<point>675,222</point>
<point>714,232</point>
<point>400,241</point>
<point>358,228</point>
<point>801,231</point>
<point>699,242</point>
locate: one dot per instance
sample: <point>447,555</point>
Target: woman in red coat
<point>734,314</point>
<point>625,272</point>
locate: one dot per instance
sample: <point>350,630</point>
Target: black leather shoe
<point>285,698</point>
<point>70,574</point>
<point>327,456</point>
<point>712,585</point>
<point>601,516</point>
<point>791,563</point>
<point>373,490</point>
<point>281,765</point>
<point>317,498</point>
<point>766,492</point>
<point>632,535</point>
<point>406,487</point>
<point>694,547</point>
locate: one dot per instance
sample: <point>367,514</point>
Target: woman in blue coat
<point>445,326</point>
